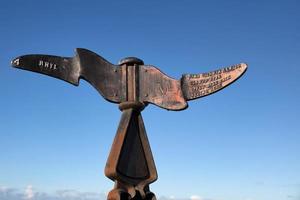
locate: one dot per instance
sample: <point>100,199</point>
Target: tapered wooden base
<point>130,163</point>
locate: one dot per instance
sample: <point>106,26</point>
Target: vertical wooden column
<point>130,163</point>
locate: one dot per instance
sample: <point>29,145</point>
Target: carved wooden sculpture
<point>132,85</point>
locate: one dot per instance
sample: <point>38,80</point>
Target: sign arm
<point>104,76</point>
<point>64,68</point>
<point>195,86</point>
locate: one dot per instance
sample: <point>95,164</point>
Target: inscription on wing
<point>199,85</point>
<point>207,86</point>
<point>47,65</point>
<point>16,62</point>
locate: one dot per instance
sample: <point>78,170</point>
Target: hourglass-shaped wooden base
<point>130,163</point>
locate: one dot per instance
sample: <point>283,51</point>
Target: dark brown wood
<point>104,76</point>
<point>132,85</point>
<point>147,83</point>
<point>130,163</point>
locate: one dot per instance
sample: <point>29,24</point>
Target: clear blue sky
<point>242,143</point>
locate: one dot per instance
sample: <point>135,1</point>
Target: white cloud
<point>29,194</point>
<point>73,194</point>
<point>3,189</point>
<point>195,197</point>
<point>68,194</point>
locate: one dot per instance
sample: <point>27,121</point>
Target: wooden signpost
<point>132,85</point>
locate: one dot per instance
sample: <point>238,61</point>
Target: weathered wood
<point>147,83</point>
<point>130,163</point>
<point>199,85</point>
<point>133,85</point>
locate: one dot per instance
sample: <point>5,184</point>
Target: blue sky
<point>241,143</point>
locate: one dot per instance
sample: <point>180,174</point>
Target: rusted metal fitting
<point>135,105</point>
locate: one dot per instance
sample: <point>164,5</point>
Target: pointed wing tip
<point>200,85</point>
<point>80,49</point>
<point>244,65</point>
<point>243,69</point>
<point>15,62</point>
